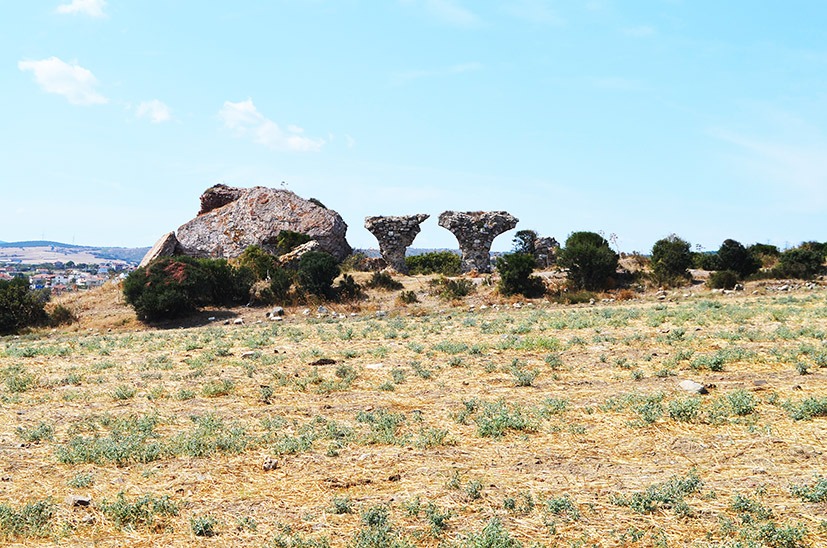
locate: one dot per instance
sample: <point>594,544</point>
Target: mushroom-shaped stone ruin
<point>395,234</point>
<point>475,231</point>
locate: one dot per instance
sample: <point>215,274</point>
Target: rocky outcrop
<point>164,247</point>
<point>475,232</point>
<point>395,234</point>
<point>232,219</point>
<point>218,196</point>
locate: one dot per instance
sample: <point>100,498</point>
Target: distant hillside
<point>43,251</point>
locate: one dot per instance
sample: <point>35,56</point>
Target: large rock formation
<point>395,234</point>
<point>232,219</point>
<point>545,251</point>
<point>475,231</point>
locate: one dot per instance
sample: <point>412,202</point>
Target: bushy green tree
<point>590,261</point>
<point>261,263</point>
<point>735,257</point>
<point>671,259</point>
<point>20,306</point>
<point>515,275</point>
<point>766,254</point>
<point>434,262</point>
<point>801,262</point>
<point>316,273</point>
<point>524,241</point>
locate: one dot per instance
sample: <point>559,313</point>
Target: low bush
<point>800,262</point>
<point>723,279</point>
<point>451,289</point>
<point>20,306</point>
<point>515,275</point>
<point>171,287</point>
<point>446,263</point>
<point>316,273</point>
<point>383,280</point>
<point>60,315</point>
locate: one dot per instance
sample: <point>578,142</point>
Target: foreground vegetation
<point>432,424</point>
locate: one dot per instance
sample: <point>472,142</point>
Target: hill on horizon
<point>45,251</point>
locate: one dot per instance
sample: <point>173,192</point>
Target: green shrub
<point>446,263</point>
<point>383,280</point>
<point>524,242</point>
<point>800,262</point>
<point>20,306</point>
<point>515,275</point>
<point>735,257</point>
<point>671,257</point>
<point>590,261</point>
<point>766,254</point>
<point>348,289</point>
<point>60,315</point>
<point>204,526</point>
<point>722,279</point>
<point>32,520</point>
<point>258,261</point>
<point>171,287</point>
<point>140,512</point>
<point>449,289</point>
<point>287,240</point>
<point>316,273</point>
<point>408,297</point>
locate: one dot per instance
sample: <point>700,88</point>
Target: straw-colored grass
<point>435,424</point>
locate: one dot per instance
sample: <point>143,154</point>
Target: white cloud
<point>447,11</point>
<point>156,111</point>
<point>404,77</point>
<point>92,8</point>
<point>74,82</point>
<point>246,121</point>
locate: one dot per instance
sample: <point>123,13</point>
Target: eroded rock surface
<point>166,246</point>
<point>395,234</point>
<point>231,219</point>
<point>475,231</point>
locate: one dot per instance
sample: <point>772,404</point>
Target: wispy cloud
<point>535,11</point>
<point>407,76</point>
<point>72,81</point>
<point>447,11</point>
<point>245,120</point>
<point>155,111</point>
<point>640,31</point>
<point>92,8</point>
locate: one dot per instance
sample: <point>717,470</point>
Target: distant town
<point>61,277</point>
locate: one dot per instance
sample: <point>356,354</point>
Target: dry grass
<point>564,423</point>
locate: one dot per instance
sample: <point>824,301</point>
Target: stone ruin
<point>395,234</point>
<point>475,232</point>
<point>545,251</point>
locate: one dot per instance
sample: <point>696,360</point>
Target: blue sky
<point>638,118</point>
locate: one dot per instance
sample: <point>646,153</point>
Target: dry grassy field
<point>478,423</point>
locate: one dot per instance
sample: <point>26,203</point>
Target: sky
<point>633,118</point>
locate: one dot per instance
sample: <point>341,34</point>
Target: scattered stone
<point>238,321</point>
<point>276,319</point>
<point>323,361</point>
<point>322,311</point>
<point>306,312</point>
<point>738,287</point>
<point>374,366</point>
<point>277,311</point>
<point>395,234</point>
<point>211,319</point>
<point>692,386</point>
<point>248,355</point>
<point>395,477</point>
<point>475,232</point>
<point>77,500</point>
<point>381,313</point>
<point>270,464</point>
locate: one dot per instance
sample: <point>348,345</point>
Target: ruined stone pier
<point>395,234</point>
<point>475,232</point>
